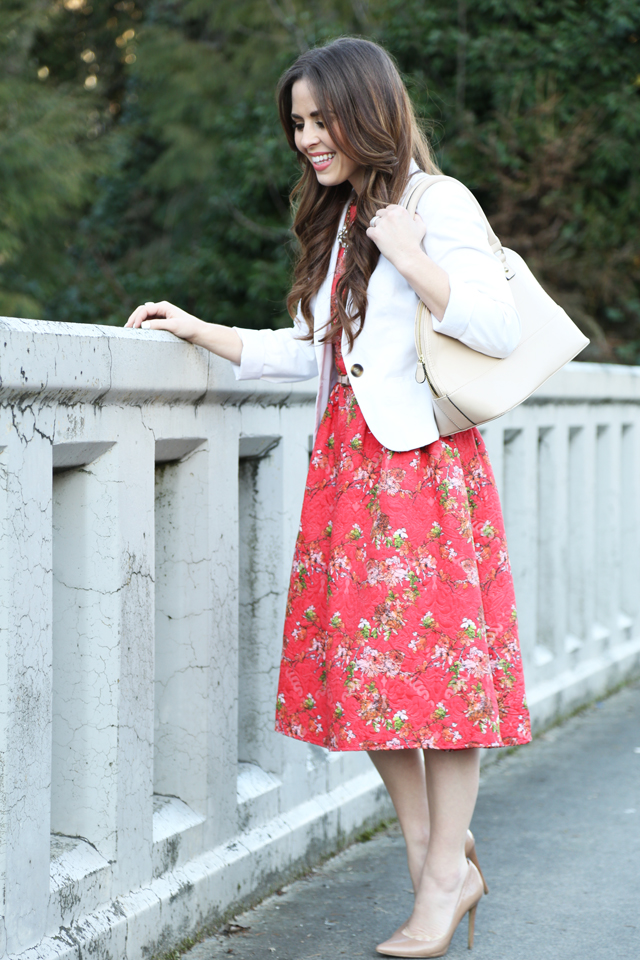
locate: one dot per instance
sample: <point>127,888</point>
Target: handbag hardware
<point>469,388</point>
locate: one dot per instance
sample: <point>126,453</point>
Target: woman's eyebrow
<point>296,116</point>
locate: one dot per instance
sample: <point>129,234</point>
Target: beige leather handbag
<point>469,388</point>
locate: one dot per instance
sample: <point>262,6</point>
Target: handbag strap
<point>428,180</point>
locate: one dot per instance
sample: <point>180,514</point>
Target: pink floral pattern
<point>401,627</point>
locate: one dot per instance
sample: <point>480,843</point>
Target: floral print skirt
<point>401,627</point>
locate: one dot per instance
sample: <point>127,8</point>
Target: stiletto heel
<point>472,924</point>
<point>470,854</point>
<point>407,945</point>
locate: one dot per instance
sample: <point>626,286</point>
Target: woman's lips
<point>321,161</point>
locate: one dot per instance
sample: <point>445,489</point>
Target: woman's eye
<point>298,126</point>
<point>320,124</point>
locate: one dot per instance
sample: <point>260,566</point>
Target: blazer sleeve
<point>481,312</point>
<point>279,356</point>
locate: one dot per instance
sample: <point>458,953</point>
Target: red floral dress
<point>401,627</point>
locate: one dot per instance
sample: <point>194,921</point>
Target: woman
<point>400,635</point>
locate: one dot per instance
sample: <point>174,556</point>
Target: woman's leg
<point>452,787</point>
<point>403,773</point>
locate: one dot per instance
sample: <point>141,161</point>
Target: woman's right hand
<point>165,316</point>
<point>223,341</point>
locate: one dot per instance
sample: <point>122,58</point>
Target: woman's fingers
<point>396,234</point>
<point>136,318</point>
<point>397,219</point>
<point>383,218</point>
<point>161,323</point>
<point>140,314</point>
<point>389,209</point>
<point>161,309</point>
<point>378,215</point>
<point>392,214</point>
<point>149,311</point>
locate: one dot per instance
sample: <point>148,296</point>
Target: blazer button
<point>357,370</point>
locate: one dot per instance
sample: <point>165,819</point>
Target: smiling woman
<point>400,635</point>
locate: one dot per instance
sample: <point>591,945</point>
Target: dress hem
<point>385,744</point>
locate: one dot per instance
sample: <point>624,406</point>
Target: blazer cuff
<point>459,309</point>
<point>251,366</point>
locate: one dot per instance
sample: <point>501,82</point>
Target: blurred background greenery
<point>140,154</point>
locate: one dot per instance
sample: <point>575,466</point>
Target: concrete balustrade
<point>148,508</point>
<point>567,464</point>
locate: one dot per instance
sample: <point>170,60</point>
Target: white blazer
<point>381,367</point>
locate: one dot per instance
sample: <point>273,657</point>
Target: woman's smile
<point>321,161</point>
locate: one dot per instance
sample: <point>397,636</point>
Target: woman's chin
<point>334,177</point>
<point>329,179</point>
<point>326,178</point>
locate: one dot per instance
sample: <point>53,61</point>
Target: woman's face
<point>331,165</point>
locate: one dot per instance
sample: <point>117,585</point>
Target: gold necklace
<point>343,232</point>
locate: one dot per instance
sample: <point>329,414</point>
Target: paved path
<point>558,832</point>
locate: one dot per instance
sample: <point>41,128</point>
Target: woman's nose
<point>308,137</point>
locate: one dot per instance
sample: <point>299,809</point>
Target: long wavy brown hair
<point>367,112</point>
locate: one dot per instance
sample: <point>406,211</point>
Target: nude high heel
<point>416,946</point>
<point>470,854</point>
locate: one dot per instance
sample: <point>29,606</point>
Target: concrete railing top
<point>95,363</point>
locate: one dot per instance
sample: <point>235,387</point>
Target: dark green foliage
<point>168,177</point>
<point>549,141</point>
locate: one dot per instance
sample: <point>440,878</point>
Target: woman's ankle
<point>447,875</point>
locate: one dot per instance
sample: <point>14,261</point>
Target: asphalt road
<point>557,828</point>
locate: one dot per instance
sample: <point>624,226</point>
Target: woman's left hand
<point>397,235</point>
